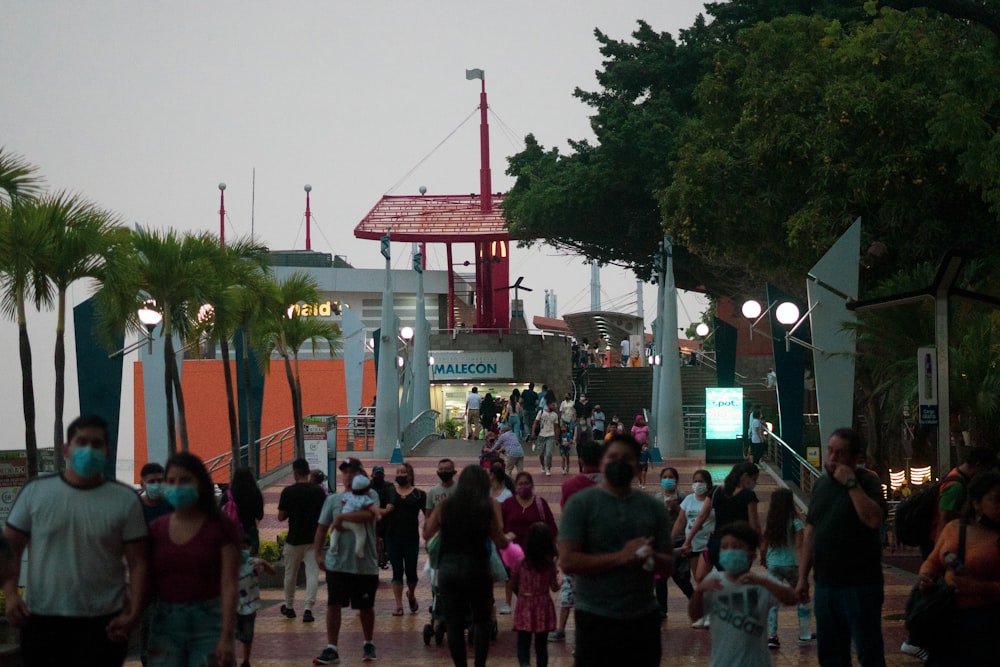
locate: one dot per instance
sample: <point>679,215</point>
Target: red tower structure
<point>450,219</point>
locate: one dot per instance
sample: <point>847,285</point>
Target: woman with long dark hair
<point>249,504</point>
<point>467,520</point>
<point>971,638</point>
<point>195,571</point>
<point>402,534</point>
<point>733,501</point>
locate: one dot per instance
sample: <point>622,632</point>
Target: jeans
<point>546,443</point>
<point>185,634</point>
<point>527,421</point>
<point>295,554</point>
<point>403,556</point>
<point>515,424</point>
<point>681,576</point>
<point>603,641</point>
<point>464,586</point>
<point>846,613</point>
<point>790,575</point>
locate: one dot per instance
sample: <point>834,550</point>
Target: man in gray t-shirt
<point>350,579</point>
<point>614,540</point>
<point>438,492</point>
<point>81,530</point>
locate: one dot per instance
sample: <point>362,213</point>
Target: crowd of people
<point>178,564</point>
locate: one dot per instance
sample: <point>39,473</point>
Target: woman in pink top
<point>195,570</point>
<point>640,430</point>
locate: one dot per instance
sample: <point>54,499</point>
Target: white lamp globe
<point>751,309</point>
<point>787,313</point>
<point>406,333</point>
<point>701,329</point>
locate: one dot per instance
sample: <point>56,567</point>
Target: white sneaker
<point>708,621</point>
<point>504,609</point>
<point>700,623</point>
<point>548,472</point>
<point>914,650</point>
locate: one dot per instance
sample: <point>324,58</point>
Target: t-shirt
<point>345,560</point>
<point>784,555</point>
<point>739,623</point>
<point>600,522</point>
<point>982,561</point>
<point>190,572</point>
<point>503,495</point>
<point>547,421</point>
<point>583,410</point>
<point>691,507</point>
<point>578,483</point>
<point>439,493</point>
<point>249,587</point>
<point>473,400</point>
<point>404,519</point>
<point>755,431</point>
<point>846,552</point>
<point>76,545</point>
<point>567,410</point>
<point>641,434</point>
<point>150,512</point>
<point>518,519</point>
<point>951,496</point>
<point>597,420</point>
<point>732,509</point>
<point>302,502</point>
<point>530,399</point>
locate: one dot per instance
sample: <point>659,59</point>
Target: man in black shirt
<point>529,401</point>
<point>842,543</point>
<point>301,504</point>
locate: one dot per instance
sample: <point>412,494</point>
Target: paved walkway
<point>281,642</point>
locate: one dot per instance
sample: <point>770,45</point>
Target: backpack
<point>915,515</point>
<point>230,509</point>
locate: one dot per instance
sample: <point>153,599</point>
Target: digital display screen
<point>723,413</point>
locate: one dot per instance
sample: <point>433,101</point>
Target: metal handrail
<point>278,438</point>
<point>815,472</point>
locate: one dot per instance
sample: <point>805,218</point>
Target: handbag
<point>930,613</point>
<point>498,573</point>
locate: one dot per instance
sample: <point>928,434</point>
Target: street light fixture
<point>150,318</point>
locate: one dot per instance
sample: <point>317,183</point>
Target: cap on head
<point>350,463</point>
<point>378,470</point>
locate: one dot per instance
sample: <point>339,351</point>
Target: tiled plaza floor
<point>282,642</point>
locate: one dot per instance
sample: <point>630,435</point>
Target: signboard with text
<point>723,413</point>
<point>927,385</point>
<point>472,366</point>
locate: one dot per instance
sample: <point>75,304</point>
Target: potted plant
<point>451,428</point>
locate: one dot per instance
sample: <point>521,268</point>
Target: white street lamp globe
<point>205,312</point>
<point>307,187</point>
<point>751,309</point>
<point>406,333</point>
<point>701,329</point>
<point>399,361</point>
<point>787,313</point>
<point>149,317</point>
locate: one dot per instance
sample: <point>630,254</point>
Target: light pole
<point>308,188</point>
<point>222,215</point>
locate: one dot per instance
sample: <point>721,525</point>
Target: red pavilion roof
<point>431,218</point>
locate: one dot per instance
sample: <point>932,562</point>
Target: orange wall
<point>323,392</point>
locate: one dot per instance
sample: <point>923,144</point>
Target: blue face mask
<point>87,461</point>
<point>734,561</point>
<point>245,553</point>
<point>668,484</point>
<point>181,496</point>
<point>154,491</point>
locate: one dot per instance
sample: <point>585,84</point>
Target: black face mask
<point>619,472</point>
<point>445,476</point>
<point>403,481</point>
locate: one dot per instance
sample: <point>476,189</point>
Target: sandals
<point>413,604</point>
<point>398,612</point>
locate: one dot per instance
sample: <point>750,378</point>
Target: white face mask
<point>699,488</point>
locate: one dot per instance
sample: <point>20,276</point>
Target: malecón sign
<point>457,365</point>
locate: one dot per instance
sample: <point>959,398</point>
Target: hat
<point>360,483</point>
<point>378,469</point>
<point>350,463</point>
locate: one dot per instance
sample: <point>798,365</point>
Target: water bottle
<point>804,613</point>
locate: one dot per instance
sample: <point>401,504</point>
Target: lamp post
<point>387,378</point>
<point>405,364</point>
<point>222,215</point>
<point>308,188</point>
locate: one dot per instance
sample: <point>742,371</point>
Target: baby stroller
<point>487,457</point>
<point>438,627</point>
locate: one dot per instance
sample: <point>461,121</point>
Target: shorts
<point>356,590</point>
<point>563,450</point>
<point>644,466</point>
<point>567,594</point>
<point>244,627</point>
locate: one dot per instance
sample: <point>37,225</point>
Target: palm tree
<point>172,273</point>
<point>284,331</point>
<point>81,236</point>
<point>21,245</point>
<point>238,264</point>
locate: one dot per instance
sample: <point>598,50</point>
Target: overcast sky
<point>145,107</point>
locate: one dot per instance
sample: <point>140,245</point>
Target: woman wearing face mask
<point>733,501</point>
<point>971,638</point>
<point>672,499</point>
<point>690,510</point>
<point>195,571</point>
<point>519,512</point>
<point>402,535</point>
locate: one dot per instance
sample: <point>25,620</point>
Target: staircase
<point>619,391</point>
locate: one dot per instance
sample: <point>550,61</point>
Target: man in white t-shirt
<point>472,423</point>
<point>82,529</point>
<point>548,431</point>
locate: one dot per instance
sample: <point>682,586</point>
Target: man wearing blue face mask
<point>154,502</point>
<point>83,528</point>
<point>613,540</point>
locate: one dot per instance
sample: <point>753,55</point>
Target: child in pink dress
<point>535,614</point>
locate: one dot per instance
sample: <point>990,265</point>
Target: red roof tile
<point>434,218</point>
